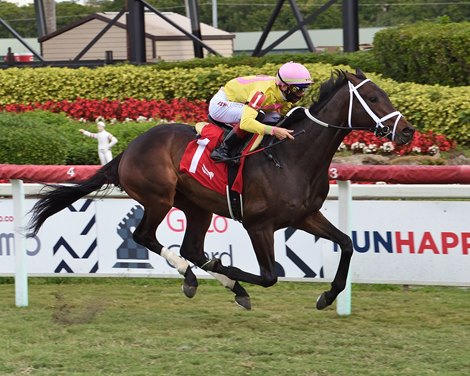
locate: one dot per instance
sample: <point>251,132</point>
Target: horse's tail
<point>58,197</point>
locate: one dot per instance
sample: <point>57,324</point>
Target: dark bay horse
<point>273,197</point>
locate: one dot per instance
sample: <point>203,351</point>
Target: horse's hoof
<point>243,301</point>
<point>188,290</point>
<point>321,301</point>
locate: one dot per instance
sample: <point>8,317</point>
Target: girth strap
<point>234,199</point>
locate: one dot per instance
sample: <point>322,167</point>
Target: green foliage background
<point>425,53</point>
<point>435,108</point>
<point>240,15</point>
<point>32,139</point>
<point>41,137</point>
<point>430,52</point>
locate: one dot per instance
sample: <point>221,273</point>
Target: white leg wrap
<point>174,260</point>
<point>226,281</point>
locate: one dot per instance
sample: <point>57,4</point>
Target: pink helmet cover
<point>293,74</point>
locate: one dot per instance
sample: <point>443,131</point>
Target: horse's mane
<point>328,89</point>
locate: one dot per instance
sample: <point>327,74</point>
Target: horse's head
<point>371,108</point>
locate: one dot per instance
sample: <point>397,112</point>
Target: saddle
<point>223,178</point>
<point>270,118</point>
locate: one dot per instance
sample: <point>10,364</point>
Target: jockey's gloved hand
<point>282,133</point>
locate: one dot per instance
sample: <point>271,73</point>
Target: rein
<point>298,133</point>
<point>380,129</point>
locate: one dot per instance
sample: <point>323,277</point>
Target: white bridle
<point>380,129</point>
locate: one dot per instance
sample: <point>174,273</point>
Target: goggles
<point>298,88</point>
<point>295,89</point>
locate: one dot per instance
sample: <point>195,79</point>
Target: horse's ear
<point>360,74</point>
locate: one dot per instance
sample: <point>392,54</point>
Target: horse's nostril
<point>408,131</point>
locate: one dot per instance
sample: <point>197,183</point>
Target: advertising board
<point>406,242</point>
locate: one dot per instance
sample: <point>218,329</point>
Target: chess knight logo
<point>131,254</point>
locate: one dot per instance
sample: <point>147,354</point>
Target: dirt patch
<point>67,314</point>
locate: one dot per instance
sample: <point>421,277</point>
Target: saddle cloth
<point>196,160</point>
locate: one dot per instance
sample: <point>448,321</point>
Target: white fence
<point>438,252</point>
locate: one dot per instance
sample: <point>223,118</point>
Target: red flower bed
<point>193,111</point>
<point>422,143</point>
<point>129,109</point>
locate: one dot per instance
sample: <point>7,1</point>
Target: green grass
<point>147,327</point>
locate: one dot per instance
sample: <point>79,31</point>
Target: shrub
<point>41,137</point>
<point>80,150</point>
<point>427,53</point>
<point>121,89</point>
<point>32,138</point>
<point>365,60</point>
<point>83,150</point>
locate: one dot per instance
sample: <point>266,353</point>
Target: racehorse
<point>273,198</point>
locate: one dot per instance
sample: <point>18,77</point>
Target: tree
<point>21,19</point>
<point>68,12</point>
<point>239,15</point>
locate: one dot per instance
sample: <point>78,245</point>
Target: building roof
<point>155,26</point>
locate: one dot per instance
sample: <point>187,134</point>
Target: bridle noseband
<point>380,129</point>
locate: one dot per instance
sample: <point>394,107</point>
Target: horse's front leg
<point>317,224</point>
<point>263,245</point>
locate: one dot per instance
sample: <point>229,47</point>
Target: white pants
<point>105,155</point>
<point>221,109</point>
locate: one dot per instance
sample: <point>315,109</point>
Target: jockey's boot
<point>222,152</point>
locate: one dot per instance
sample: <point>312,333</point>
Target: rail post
<point>21,270</point>
<point>343,302</point>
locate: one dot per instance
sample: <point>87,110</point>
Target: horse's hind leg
<point>192,248</point>
<point>144,235</point>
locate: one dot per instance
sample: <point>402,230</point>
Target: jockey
<point>238,104</point>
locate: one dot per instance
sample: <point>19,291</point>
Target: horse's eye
<point>373,99</point>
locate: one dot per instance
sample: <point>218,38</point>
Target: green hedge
<point>32,139</point>
<point>364,59</point>
<point>434,108</point>
<point>429,107</point>
<point>84,150</point>
<point>426,53</point>
<point>41,137</point>
<point>27,85</point>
